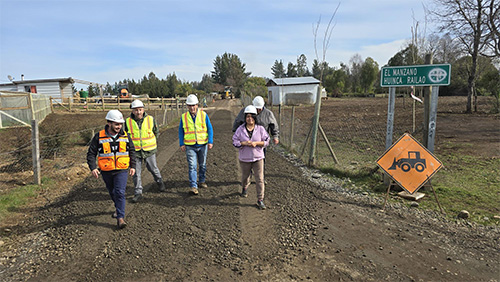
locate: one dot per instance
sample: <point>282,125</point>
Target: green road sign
<point>419,75</point>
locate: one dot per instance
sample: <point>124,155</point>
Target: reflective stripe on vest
<point>195,132</point>
<point>109,159</point>
<point>144,138</point>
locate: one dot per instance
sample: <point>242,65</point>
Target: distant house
<point>61,88</point>
<point>293,90</point>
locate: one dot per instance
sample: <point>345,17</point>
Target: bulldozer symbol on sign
<point>413,161</point>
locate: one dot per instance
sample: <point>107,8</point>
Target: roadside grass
<point>13,200</point>
<point>464,182</point>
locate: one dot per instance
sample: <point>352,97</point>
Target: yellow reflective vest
<point>195,131</point>
<point>144,138</point>
<point>112,158</point>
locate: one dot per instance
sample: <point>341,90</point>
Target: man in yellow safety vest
<point>143,130</point>
<point>196,137</point>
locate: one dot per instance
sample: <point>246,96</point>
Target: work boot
<point>261,205</point>
<point>137,198</point>
<point>194,190</point>
<point>121,223</point>
<point>203,185</point>
<point>244,193</point>
<point>161,186</point>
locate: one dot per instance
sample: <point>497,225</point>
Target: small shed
<point>293,90</point>
<point>60,88</point>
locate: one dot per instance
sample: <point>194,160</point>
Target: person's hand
<point>210,146</point>
<point>183,148</point>
<point>95,173</point>
<point>276,141</point>
<point>131,171</point>
<point>253,144</point>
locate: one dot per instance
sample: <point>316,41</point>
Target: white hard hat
<point>250,110</point>
<point>192,100</point>
<point>136,104</point>
<point>115,115</point>
<point>258,102</point>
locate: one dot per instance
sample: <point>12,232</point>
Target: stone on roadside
<point>463,214</point>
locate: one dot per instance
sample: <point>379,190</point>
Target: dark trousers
<point>116,182</point>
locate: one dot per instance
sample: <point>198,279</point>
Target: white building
<point>60,88</point>
<point>293,90</point>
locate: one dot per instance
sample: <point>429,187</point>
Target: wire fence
<point>18,109</point>
<point>355,130</point>
<point>62,149</point>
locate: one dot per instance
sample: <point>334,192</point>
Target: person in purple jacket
<point>251,139</point>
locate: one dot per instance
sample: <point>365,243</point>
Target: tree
<point>108,89</point>
<point>206,84</point>
<point>356,62</point>
<point>406,57</point>
<point>229,71</point>
<point>301,66</point>
<point>184,89</point>
<point>467,21</point>
<point>171,83</point>
<point>369,73</point>
<point>493,30</point>
<point>291,70</point>
<point>490,81</point>
<point>447,50</point>
<point>255,86</point>
<point>278,70</point>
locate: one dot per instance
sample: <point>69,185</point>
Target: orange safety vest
<point>195,131</point>
<point>109,159</point>
<point>144,138</point>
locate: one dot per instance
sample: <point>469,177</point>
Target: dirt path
<point>312,230</point>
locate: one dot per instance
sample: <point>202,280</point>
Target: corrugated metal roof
<point>66,79</point>
<point>294,80</point>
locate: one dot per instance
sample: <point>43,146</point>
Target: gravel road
<point>313,229</point>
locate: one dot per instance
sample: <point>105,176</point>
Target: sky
<point>111,40</point>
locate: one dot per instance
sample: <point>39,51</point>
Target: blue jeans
<point>116,182</point>
<point>196,156</point>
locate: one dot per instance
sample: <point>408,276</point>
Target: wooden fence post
<point>35,145</point>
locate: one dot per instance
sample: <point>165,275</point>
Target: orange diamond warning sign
<point>409,163</point>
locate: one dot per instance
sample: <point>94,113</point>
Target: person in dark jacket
<point>115,153</point>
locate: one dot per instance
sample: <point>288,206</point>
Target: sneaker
<point>136,198</point>
<point>203,185</point>
<point>161,186</point>
<point>121,223</point>
<point>114,215</point>
<point>244,193</point>
<point>194,190</point>
<point>261,205</point>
